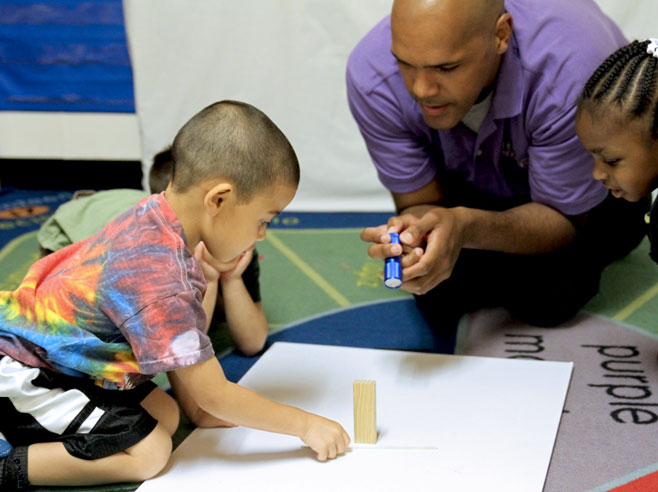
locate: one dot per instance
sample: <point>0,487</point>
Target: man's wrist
<point>417,210</point>
<point>467,224</point>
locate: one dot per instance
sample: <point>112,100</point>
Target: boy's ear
<point>216,197</point>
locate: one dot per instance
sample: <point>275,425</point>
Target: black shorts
<point>38,405</point>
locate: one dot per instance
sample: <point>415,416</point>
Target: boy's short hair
<point>160,172</point>
<point>235,141</point>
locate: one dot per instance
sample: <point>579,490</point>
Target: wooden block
<point>365,416</point>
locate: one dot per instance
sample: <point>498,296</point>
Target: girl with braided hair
<point>617,122</point>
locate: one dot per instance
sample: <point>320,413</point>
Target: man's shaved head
<point>474,17</point>
<point>448,53</point>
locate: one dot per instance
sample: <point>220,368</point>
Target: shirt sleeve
<point>169,334</point>
<point>560,169</point>
<point>400,155</point>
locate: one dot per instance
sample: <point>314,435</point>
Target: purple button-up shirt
<point>527,146</point>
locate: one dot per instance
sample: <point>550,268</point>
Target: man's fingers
<point>416,232</point>
<point>382,251</point>
<point>427,273</point>
<point>412,257</point>
<point>373,234</point>
<point>421,285</point>
<point>397,223</point>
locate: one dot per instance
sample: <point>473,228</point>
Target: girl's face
<point>625,160</point>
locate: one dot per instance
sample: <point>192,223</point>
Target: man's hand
<point>442,233</point>
<point>382,247</point>
<point>430,246</point>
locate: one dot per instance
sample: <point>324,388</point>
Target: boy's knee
<point>150,455</point>
<point>163,408</point>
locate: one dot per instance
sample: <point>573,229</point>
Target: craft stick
<point>393,446</point>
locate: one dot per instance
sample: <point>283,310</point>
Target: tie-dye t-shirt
<point>118,307</point>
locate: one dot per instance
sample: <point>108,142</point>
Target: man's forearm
<point>531,228</point>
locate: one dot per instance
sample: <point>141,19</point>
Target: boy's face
<point>239,225</point>
<point>625,161</point>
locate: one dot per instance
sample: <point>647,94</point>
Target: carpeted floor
<point>319,286</point>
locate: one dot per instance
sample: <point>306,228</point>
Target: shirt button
<point>479,153</point>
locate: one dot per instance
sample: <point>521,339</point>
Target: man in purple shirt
<point>467,110</point>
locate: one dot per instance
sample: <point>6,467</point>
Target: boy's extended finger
<point>346,442</point>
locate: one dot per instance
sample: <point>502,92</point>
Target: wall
<point>286,57</point>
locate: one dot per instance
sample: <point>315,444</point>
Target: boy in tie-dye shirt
<point>91,324</point>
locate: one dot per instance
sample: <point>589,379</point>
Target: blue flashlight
<point>393,267</point>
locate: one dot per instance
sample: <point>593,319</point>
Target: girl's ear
<point>217,196</point>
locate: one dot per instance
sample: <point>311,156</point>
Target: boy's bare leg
<point>162,408</point>
<point>50,463</point>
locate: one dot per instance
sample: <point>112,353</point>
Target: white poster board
<point>445,422</point>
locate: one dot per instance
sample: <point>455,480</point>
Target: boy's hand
<point>212,269</point>
<point>205,260</point>
<point>326,437</point>
<point>240,266</point>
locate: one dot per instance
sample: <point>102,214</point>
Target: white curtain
<point>637,18</point>
<point>286,57</point>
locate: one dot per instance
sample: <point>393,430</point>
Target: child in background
<point>91,324</point>
<point>86,215</point>
<point>617,122</point>
<point>88,212</point>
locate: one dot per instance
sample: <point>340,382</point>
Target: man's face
<point>443,68</point>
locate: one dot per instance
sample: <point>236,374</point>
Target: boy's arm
<point>206,385</point>
<point>209,301</point>
<point>211,274</point>
<point>247,325</point>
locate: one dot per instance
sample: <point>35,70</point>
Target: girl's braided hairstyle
<point>628,80</point>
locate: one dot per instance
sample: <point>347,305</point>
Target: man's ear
<point>217,196</point>
<point>504,29</point>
